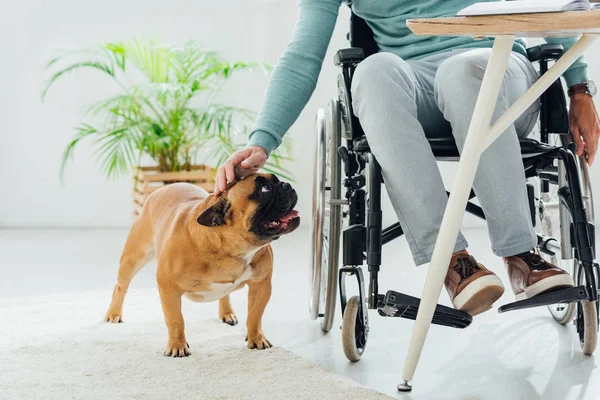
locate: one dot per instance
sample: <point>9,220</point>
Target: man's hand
<point>241,164</point>
<point>585,125</point>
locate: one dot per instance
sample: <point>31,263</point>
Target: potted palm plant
<point>165,113</point>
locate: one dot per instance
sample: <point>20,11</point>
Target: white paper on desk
<point>524,7</point>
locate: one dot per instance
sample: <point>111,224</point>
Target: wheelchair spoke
<point>324,273</point>
<point>548,225</point>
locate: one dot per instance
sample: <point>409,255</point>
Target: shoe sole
<point>545,285</point>
<point>479,295</point>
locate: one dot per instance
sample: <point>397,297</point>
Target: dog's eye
<point>266,188</point>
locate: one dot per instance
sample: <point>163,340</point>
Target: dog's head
<point>260,205</point>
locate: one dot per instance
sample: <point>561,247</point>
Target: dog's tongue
<point>288,216</point>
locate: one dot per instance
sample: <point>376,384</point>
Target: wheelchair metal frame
<point>363,239</point>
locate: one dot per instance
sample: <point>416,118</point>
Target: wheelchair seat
<point>444,148</point>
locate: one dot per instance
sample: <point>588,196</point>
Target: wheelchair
<point>347,213</point>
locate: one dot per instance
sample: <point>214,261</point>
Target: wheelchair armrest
<point>554,115</point>
<point>545,52</point>
<point>351,55</point>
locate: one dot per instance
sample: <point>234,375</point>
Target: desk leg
<point>455,209</point>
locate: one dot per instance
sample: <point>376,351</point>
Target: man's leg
<point>500,180</point>
<point>388,98</point>
<point>394,102</point>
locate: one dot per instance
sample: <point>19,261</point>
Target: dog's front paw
<point>177,350</point>
<point>258,341</point>
<point>229,319</point>
<point>113,317</point>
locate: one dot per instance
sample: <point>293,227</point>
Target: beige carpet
<point>56,348</point>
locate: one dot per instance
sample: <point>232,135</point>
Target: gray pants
<point>401,103</point>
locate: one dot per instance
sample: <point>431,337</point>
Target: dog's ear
<point>215,214</point>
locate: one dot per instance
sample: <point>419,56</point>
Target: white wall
<point>34,134</point>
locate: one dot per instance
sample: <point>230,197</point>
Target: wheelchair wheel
<point>589,336</point>
<point>327,219</point>
<point>550,213</point>
<point>587,319</point>
<point>354,338</point>
<point>549,225</point>
<point>589,310</point>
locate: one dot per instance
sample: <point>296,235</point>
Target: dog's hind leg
<point>138,251</point>
<point>226,313</point>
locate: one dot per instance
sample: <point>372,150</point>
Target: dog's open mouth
<point>283,224</point>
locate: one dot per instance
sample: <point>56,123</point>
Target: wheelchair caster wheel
<point>354,331</point>
<point>589,336</point>
<point>405,386</point>
<point>587,322</point>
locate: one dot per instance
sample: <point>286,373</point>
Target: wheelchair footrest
<point>569,295</point>
<point>402,305</point>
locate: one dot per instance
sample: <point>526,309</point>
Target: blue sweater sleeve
<point>296,72</point>
<point>577,73</point>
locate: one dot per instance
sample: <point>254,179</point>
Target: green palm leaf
<point>97,65</point>
<point>171,116</point>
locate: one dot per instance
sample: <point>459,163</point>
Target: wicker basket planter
<point>149,179</point>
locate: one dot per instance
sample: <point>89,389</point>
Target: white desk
<point>481,133</point>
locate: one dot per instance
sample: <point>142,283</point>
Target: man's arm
<point>295,75</point>
<point>292,83</point>
<point>583,116</point>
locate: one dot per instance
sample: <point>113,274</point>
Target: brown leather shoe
<point>471,287</point>
<point>531,275</point>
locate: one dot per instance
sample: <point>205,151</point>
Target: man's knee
<point>460,73</point>
<point>467,65</point>
<point>377,72</point>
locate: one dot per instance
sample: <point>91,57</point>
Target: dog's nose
<point>286,186</point>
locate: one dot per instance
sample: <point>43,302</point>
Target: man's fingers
<point>222,178</point>
<point>239,156</point>
<point>220,183</point>
<point>229,173</point>
<point>591,144</point>
<point>595,138</point>
<point>254,161</point>
<point>577,139</point>
<point>246,164</point>
<point>241,164</point>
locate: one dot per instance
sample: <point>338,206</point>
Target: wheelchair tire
<point>587,319</point>
<point>327,218</point>
<point>589,310</point>
<point>353,331</point>
<point>329,270</point>
<point>589,338</point>
<point>318,207</point>
<point>548,224</point>
<point>562,313</point>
